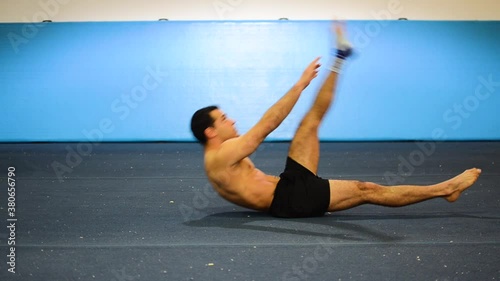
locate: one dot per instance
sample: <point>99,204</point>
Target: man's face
<point>223,126</point>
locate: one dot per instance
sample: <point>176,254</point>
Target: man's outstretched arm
<point>246,144</point>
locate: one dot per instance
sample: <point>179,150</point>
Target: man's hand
<point>310,73</point>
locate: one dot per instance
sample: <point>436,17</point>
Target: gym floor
<point>145,211</point>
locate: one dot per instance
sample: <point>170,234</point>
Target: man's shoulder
<point>214,159</point>
<point>219,154</point>
<point>219,158</point>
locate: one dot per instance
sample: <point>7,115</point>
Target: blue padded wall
<point>141,81</point>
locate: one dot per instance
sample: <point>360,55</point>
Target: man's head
<point>210,122</point>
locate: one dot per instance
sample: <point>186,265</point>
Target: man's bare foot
<point>461,183</point>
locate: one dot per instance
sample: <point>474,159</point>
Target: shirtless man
<point>298,191</point>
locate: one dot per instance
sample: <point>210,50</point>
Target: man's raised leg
<point>304,147</point>
<point>346,194</point>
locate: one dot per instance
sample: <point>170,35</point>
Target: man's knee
<point>367,188</point>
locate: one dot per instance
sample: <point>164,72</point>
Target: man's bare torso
<point>241,183</point>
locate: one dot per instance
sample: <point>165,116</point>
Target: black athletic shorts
<point>300,193</point>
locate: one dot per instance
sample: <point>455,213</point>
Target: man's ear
<point>210,132</point>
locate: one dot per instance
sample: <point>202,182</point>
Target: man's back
<point>240,183</point>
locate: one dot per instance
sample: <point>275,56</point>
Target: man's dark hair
<point>200,121</point>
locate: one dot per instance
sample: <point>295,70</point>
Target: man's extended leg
<point>305,144</point>
<point>304,147</point>
<point>347,194</point>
